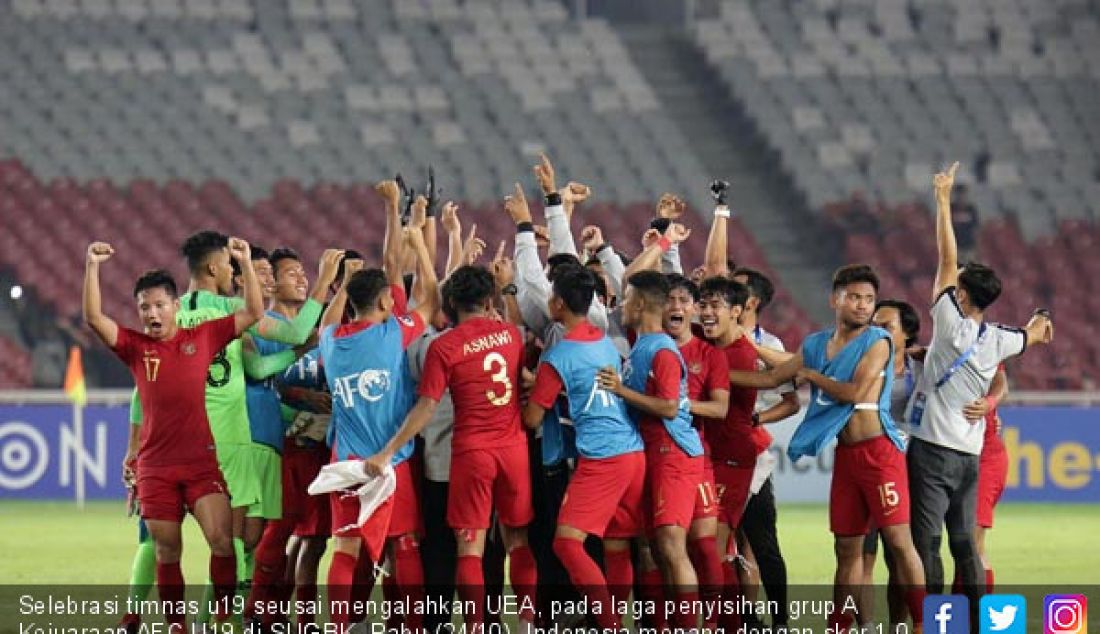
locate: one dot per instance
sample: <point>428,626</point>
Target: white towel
<point>765,464</point>
<point>346,474</point>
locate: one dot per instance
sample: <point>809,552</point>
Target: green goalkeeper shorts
<point>267,466</point>
<point>236,462</point>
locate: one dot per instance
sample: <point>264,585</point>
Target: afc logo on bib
<point>370,385</point>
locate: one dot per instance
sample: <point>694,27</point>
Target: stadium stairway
<point>729,147</point>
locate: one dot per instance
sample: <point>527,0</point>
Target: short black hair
<point>156,278</point>
<point>675,281</point>
<point>907,315</point>
<point>593,261</point>
<point>759,285</point>
<point>259,253</point>
<point>601,287</point>
<point>652,286</point>
<point>733,293</point>
<point>854,274</point>
<point>364,288</point>
<point>199,246</point>
<point>575,285</point>
<point>981,284</point>
<point>561,265</point>
<point>349,254</point>
<point>561,258</point>
<point>280,254</point>
<point>466,289</point>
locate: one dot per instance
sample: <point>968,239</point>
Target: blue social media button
<point>946,614</point>
<point>1003,614</point>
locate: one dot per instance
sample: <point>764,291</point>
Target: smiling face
<point>157,310</point>
<point>291,283</point>
<point>266,276</point>
<point>854,304</point>
<point>716,315</point>
<point>679,313</point>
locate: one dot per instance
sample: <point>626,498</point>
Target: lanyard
<point>962,358</point>
<point>758,335</point>
<point>910,382</point>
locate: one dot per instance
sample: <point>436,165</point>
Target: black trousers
<point>758,525</point>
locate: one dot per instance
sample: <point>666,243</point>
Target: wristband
<point>553,199</point>
<point>525,226</point>
<point>599,249</point>
<point>722,211</point>
<point>664,243</point>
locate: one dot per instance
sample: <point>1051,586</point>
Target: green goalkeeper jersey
<point>226,404</point>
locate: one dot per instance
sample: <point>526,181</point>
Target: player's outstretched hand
<point>239,250</point>
<point>516,206</point>
<point>944,181</point>
<point>677,233</point>
<point>473,248</point>
<point>449,219</point>
<point>976,410</point>
<point>376,464</point>
<point>591,238</point>
<point>544,172</point>
<point>650,237</point>
<point>609,380</point>
<point>670,206</point>
<point>542,236</point>
<point>419,216</point>
<point>389,191</point>
<point>351,267</point>
<point>572,194</point>
<point>504,273</point>
<point>329,266</point>
<point>99,252</point>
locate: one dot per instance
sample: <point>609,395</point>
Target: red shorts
<point>870,484</point>
<point>670,473</point>
<point>604,496</point>
<point>167,493</point>
<point>482,477</point>
<point>992,471</point>
<point>706,497</point>
<point>312,515</point>
<point>405,517</point>
<point>732,486</point>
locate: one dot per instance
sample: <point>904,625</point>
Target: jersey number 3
<point>497,367</point>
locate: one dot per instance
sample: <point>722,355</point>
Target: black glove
<point>718,191</point>
<point>409,196</point>
<point>432,193</point>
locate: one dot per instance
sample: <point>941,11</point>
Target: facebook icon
<point>946,614</point>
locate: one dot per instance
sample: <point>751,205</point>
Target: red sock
<point>989,581</point>
<point>307,595</point>
<point>470,583</point>
<point>223,574</point>
<point>524,575</point>
<point>914,600</point>
<point>587,577</point>
<point>361,587</point>
<point>170,588</point>
<point>409,576</point>
<point>704,557</point>
<point>270,564</point>
<point>683,614</point>
<point>841,621</point>
<point>341,574</point>
<point>620,576</point>
<point>731,591</point>
<point>652,590</point>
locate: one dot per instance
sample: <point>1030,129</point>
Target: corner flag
<point>74,378</point>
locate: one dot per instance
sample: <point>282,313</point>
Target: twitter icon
<point>1003,614</point>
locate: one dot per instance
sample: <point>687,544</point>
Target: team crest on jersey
<point>188,348</point>
<point>695,368</point>
<point>371,385</point>
<point>406,320</point>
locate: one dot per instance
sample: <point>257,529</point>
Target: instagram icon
<point>1065,614</point>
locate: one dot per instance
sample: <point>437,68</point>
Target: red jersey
<point>171,382</point>
<point>736,439</point>
<point>479,360</point>
<point>663,382</point>
<point>707,369</point>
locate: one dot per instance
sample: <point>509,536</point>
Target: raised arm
<point>672,207</point>
<point>426,289</point>
<point>253,309</point>
<point>452,226</point>
<point>103,326</point>
<point>592,239</point>
<point>1039,329</point>
<point>557,220</point>
<point>867,374</point>
<point>531,283</point>
<point>650,259</point>
<point>504,276</point>
<point>334,314</point>
<point>717,253</point>
<point>947,267</point>
<point>393,249</point>
<point>772,377</point>
<point>296,331</point>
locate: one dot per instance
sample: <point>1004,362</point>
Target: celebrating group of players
<point>595,417</point>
